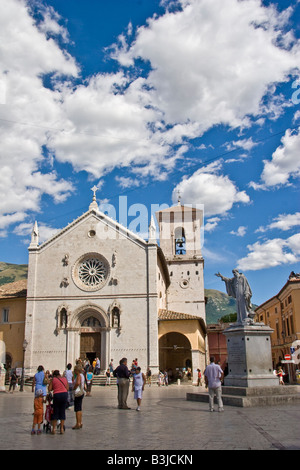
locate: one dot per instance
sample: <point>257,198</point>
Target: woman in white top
<point>138,384</point>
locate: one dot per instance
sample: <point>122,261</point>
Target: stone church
<point>96,289</point>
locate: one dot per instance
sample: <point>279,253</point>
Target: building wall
<point>195,335</point>
<point>282,314</point>
<point>186,291</point>
<point>12,332</point>
<point>217,343</point>
<point>131,284</point>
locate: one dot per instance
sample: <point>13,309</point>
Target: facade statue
<point>239,288</point>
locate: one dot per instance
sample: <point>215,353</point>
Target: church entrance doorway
<point>90,339</point>
<point>90,345</point>
<point>175,355</point>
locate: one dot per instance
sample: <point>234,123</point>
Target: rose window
<point>91,272</point>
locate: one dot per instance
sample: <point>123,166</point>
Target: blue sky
<point>146,98</point>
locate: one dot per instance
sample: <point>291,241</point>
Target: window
<point>292,324</point>
<point>180,241</point>
<point>287,327</point>
<point>5,315</point>
<point>91,272</point>
<point>63,318</point>
<point>277,330</point>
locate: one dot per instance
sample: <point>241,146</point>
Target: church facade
<point>96,289</point>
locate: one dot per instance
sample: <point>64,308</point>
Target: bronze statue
<point>239,288</point>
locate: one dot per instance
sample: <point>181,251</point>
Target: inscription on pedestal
<point>249,356</point>
<point>236,355</point>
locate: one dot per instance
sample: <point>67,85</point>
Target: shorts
<point>78,403</point>
<point>138,393</point>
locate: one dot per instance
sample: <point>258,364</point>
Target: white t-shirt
<point>213,372</point>
<point>69,376</point>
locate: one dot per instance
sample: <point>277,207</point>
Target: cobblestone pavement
<point>167,421</point>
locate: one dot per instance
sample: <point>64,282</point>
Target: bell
<point>179,242</point>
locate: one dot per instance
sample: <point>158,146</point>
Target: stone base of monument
<point>253,396</point>
<point>249,356</point>
<point>250,380</point>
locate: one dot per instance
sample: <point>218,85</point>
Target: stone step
<point>259,391</point>
<point>261,396</point>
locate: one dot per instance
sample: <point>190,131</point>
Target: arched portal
<point>90,338</point>
<point>92,324</point>
<point>174,352</point>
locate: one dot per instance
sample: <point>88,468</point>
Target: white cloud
<point>200,77</point>
<point>285,163</point>
<point>108,125</point>
<point>216,191</point>
<point>211,224</point>
<point>127,182</point>
<point>206,67</point>
<point>271,253</point>
<point>282,222</point>
<point>240,232</point>
<point>246,144</point>
<point>45,231</point>
<point>27,110</point>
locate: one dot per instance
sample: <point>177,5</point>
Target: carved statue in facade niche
<point>115,318</point>
<point>65,282</point>
<point>65,260</point>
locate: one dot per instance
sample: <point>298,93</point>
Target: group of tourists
<point>58,392</point>
<point>61,392</point>
<point>123,374</point>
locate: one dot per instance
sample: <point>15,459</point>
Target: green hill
<point>218,304</point>
<point>12,272</point>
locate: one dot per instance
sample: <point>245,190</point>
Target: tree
<point>230,318</point>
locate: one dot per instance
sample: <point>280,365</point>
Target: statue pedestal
<point>249,356</point>
<point>2,379</point>
<point>250,380</point>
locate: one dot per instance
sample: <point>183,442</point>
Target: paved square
<point>166,422</point>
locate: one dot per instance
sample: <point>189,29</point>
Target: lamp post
<point>25,344</point>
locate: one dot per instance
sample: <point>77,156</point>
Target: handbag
<point>79,390</point>
<point>46,381</point>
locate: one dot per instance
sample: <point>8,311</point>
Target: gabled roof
<point>101,216</point>
<point>169,315</point>
<point>164,314</point>
<point>14,289</point>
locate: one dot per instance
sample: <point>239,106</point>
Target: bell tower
<point>180,229</point>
